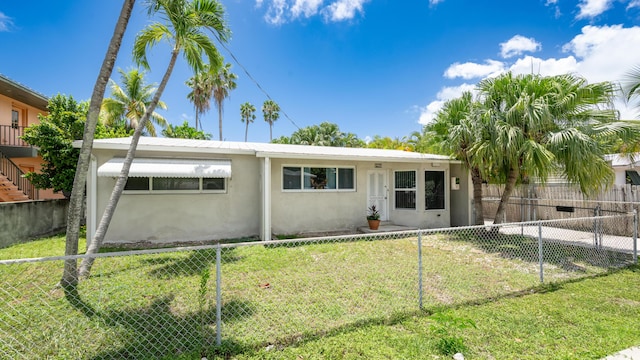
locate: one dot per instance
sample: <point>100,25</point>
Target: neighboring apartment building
<point>19,108</point>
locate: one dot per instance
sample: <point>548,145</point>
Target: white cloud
<point>343,10</point>
<point>470,70</point>
<point>279,12</point>
<point>518,45</point>
<point>6,23</point>
<point>428,112</point>
<point>275,12</point>
<point>308,8</point>
<point>545,67</point>
<point>604,51</point>
<point>435,2</point>
<point>593,8</point>
<point>633,4</point>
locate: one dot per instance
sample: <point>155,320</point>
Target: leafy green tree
<point>128,103</point>
<point>325,134</point>
<point>201,92</point>
<point>223,81</point>
<point>184,29</point>
<point>70,275</point>
<point>271,113</point>
<point>386,142</point>
<point>54,137</point>
<point>536,126</point>
<point>247,116</point>
<point>185,131</point>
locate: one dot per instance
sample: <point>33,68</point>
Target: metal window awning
<point>182,168</point>
<point>633,176</point>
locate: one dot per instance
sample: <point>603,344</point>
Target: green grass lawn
<point>343,300</point>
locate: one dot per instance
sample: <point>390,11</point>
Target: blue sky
<point>374,67</point>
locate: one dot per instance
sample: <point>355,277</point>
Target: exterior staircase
<point>13,185</point>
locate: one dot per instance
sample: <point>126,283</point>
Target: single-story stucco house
<point>198,190</point>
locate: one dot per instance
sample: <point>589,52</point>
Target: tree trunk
<point>220,120</point>
<point>246,131</point>
<point>508,189</point>
<point>270,132</point>
<point>96,242</point>
<point>476,180</point>
<point>197,119</point>
<point>70,274</point>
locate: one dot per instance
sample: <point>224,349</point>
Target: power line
<point>254,80</point>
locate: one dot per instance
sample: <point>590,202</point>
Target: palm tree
<point>271,113</point>
<point>201,92</point>
<point>454,132</point>
<point>247,116</point>
<point>222,82</point>
<point>70,274</point>
<point>540,125</point>
<point>128,104</point>
<point>184,30</point>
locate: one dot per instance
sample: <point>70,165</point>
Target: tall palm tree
<point>247,116</point>
<point>454,132</point>
<point>222,81</point>
<point>128,103</point>
<point>70,274</point>
<point>540,125</point>
<point>201,92</point>
<point>271,113</point>
<point>186,22</point>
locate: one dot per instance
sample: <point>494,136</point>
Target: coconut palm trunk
<point>476,180</point>
<point>70,274</point>
<point>101,231</point>
<point>510,185</point>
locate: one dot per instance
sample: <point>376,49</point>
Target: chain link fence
<point>226,299</point>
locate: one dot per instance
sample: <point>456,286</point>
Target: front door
<point>378,192</point>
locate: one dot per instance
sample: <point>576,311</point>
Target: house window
<point>405,189</point>
<point>166,184</point>
<point>318,178</point>
<point>15,119</point>
<point>632,177</point>
<point>434,187</point>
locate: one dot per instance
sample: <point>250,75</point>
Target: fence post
<point>540,252</point>
<point>635,236</point>
<point>595,225</point>
<point>420,269</point>
<point>218,297</point>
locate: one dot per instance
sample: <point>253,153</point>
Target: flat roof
<point>284,151</point>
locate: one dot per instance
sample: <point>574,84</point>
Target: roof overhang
<point>23,94</point>
<point>173,168</point>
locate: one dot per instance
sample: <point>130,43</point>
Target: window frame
<point>15,120</point>
<point>200,190</point>
<point>444,190</point>
<point>405,189</point>
<point>302,188</point>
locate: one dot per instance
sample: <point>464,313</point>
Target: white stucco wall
<point>168,218</point>
<point>295,212</point>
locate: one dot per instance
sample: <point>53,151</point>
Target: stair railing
<point>13,173</point>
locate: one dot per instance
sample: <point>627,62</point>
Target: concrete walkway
<point>630,353</point>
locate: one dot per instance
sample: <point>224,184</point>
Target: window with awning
<point>171,175</point>
<point>169,168</point>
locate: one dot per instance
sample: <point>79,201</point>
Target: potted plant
<point>373,217</point>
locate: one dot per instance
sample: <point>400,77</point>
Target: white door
<point>378,192</point>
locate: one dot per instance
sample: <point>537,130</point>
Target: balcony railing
<point>10,136</point>
<point>13,173</point>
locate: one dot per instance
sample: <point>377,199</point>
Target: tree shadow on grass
<point>192,264</point>
<point>156,331</point>
<point>567,255</point>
